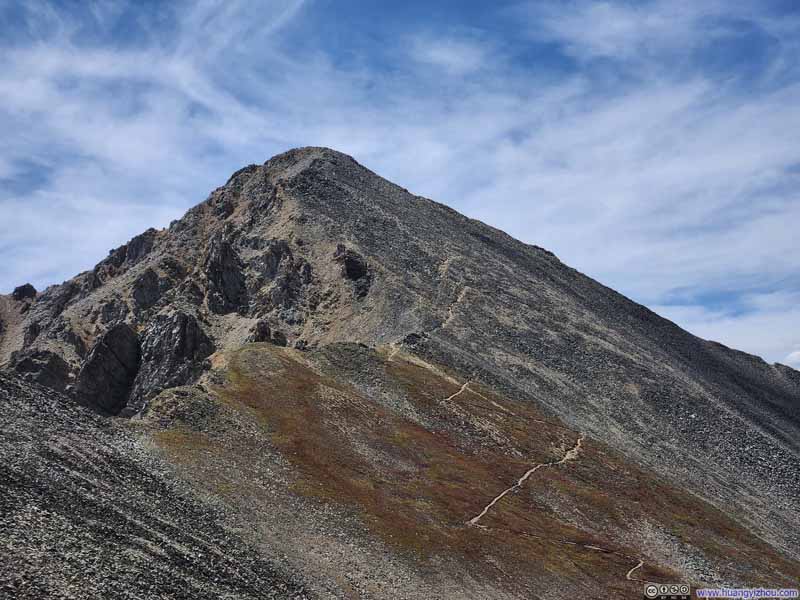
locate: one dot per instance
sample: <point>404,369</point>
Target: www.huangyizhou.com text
<point>747,593</point>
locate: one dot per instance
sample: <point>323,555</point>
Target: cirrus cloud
<point>650,145</point>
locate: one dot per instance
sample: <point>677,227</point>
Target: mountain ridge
<point>333,265</point>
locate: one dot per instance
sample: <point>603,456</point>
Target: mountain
<point>317,384</point>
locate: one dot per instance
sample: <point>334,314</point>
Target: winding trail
<point>629,574</point>
<point>393,353</point>
<point>459,392</point>
<point>569,455</point>
<point>451,309</point>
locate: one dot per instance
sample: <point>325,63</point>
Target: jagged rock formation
<point>227,290</point>
<point>24,292</point>
<point>174,347</point>
<point>42,366</point>
<point>107,375</point>
<point>419,365</point>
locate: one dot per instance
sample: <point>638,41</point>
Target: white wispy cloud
<point>768,327</point>
<point>455,55</point>
<point>793,359</point>
<point>663,180</point>
<point>625,30</point>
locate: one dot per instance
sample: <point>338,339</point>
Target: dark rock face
<point>174,347</point>
<point>56,298</point>
<point>43,367</point>
<point>278,338</point>
<point>260,333</point>
<point>412,339</point>
<point>31,332</point>
<point>146,290</point>
<point>112,311</point>
<point>107,375</point>
<point>132,252</point>
<point>24,292</point>
<point>227,289</point>
<point>280,277</point>
<point>121,259</point>
<point>355,269</point>
<point>63,331</point>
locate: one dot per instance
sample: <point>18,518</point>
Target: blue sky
<point>652,145</point>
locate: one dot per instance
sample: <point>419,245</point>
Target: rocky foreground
<point>317,384</point>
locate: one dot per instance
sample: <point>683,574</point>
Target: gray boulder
<point>41,366</point>
<point>24,292</point>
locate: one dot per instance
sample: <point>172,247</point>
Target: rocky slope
<point>402,402</point>
<point>88,512</point>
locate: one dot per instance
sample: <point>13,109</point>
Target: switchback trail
<point>629,574</point>
<point>569,455</point>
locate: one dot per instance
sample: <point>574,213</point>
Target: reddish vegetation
<point>417,487</point>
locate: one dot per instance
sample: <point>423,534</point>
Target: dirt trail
<point>395,350</point>
<point>451,309</point>
<point>569,455</point>
<point>492,402</point>
<point>629,574</point>
<point>459,392</point>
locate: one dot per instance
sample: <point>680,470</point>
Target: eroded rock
<point>146,290</point>
<point>43,367</point>
<point>262,332</point>
<point>107,375</point>
<point>227,290</point>
<point>24,292</point>
<point>354,269</point>
<point>174,348</point>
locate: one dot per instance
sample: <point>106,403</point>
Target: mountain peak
<point>377,332</point>
<point>296,160</point>
<point>309,152</point>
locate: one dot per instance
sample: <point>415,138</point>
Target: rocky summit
<point>318,385</point>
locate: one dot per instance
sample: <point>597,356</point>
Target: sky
<point>653,145</point>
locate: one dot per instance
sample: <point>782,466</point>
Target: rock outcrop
<point>106,377</point>
<point>24,292</point>
<point>355,269</point>
<point>146,290</point>
<point>173,351</point>
<point>227,289</point>
<point>44,367</point>
<point>261,332</point>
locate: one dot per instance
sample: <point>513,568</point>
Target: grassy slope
<point>415,467</point>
